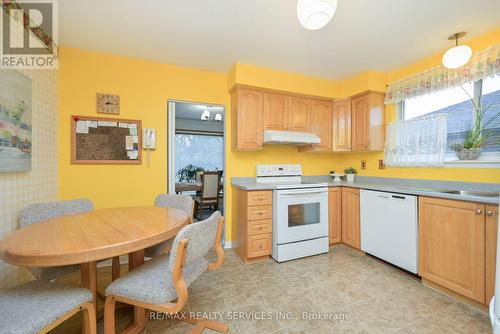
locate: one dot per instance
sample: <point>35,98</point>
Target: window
<point>206,151</point>
<point>455,102</point>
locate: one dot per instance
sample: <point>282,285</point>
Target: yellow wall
<point>144,88</point>
<point>375,80</point>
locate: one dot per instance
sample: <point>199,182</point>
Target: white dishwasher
<point>389,227</point>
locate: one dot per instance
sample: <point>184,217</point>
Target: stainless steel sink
<point>469,193</point>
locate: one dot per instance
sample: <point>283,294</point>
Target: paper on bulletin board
<point>123,125</point>
<point>92,124</point>
<point>82,127</point>
<point>133,155</point>
<point>133,131</point>
<point>129,143</point>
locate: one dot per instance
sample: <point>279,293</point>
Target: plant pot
<point>350,177</point>
<point>468,153</point>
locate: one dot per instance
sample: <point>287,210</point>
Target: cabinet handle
<point>479,211</point>
<point>489,213</point>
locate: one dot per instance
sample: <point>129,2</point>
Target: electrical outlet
<point>363,164</point>
<point>381,164</point>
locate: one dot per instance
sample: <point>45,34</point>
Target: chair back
<point>180,202</point>
<point>35,213</point>
<point>210,188</point>
<point>201,238</point>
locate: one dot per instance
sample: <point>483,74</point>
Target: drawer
<point>260,197</point>
<point>260,226</point>
<point>259,245</point>
<point>260,212</point>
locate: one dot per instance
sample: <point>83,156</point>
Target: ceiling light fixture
<point>315,14</point>
<point>458,55</point>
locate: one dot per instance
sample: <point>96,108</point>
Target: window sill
<point>493,163</point>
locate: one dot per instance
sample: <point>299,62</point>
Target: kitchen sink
<point>469,193</point>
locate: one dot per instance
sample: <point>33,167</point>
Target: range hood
<point>290,138</point>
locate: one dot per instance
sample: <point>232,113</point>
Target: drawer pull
<point>489,213</point>
<point>260,246</point>
<point>479,211</point>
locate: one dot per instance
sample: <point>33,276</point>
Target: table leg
<point>89,281</point>
<point>135,259</point>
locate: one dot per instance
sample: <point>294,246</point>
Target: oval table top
<point>91,236</point>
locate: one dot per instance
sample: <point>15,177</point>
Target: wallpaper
<point>39,184</point>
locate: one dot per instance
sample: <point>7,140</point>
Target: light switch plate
<point>363,164</point>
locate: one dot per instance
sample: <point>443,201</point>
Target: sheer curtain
<point>417,142</point>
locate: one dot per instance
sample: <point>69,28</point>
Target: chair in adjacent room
<point>36,213</point>
<point>209,197</point>
<point>39,306</point>
<point>161,284</point>
<point>180,202</point>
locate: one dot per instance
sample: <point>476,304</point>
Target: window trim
<point>486,160</point>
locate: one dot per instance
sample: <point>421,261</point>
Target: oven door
<point>301,214</point>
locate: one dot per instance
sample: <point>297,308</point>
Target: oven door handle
<point>302,192</point>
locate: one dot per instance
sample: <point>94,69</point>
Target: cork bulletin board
<point>98,140</point>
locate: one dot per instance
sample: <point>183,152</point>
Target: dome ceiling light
<point>458,55</point>
<point>315,14</point>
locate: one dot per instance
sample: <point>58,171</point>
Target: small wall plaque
<point>108,104</point>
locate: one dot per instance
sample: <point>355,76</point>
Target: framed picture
<point>15,122</point>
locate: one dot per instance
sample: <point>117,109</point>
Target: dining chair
<point>39,306</point>
<point>38,212</point>
<point>161,284</point>
<point>181,202</point>
<point>210,190</point>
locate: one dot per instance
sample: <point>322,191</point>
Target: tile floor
<point>371,296</point>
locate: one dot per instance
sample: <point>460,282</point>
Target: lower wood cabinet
<point>491,250</point>
<point>252,224</point>
<point>452,240</point>
<point>350,217</point>
<point>335,214</point>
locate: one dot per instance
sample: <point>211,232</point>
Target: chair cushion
<point>29,307</point>
<point>152,281</point>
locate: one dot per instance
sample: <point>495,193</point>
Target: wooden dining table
<point>191,186</point>
<point>87,238</point>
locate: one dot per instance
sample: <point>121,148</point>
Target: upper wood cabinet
<point>299,115</point>
<point>350,217</point>
<point>368,122</point>
<point>247,119</point>
<point>276,111</point>
<point>342,125</point>
<point>452,245</point>
<point>491,250</point>
<point>321,125</point>
<point>335,214</point>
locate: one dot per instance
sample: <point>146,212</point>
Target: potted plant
<point>476,135</point>
<point>350,174</point>
<point>188,173</point>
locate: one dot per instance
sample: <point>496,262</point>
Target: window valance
<point>483,64</point>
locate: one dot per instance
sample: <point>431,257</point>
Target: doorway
<point>196,154</point>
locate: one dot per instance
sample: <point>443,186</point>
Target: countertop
<point>403,186</point>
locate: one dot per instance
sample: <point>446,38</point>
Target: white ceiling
<point>213,34</point>
<point>194,110</point>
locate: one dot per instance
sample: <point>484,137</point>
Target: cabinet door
<point>350,217</point>
<point>342,125</point>
<point>299,115</point>
<point>321,124</point>
<point>360,123</point>
<point>275,112</point>
<point>335,214</point>
<point>491,250</point>
<point>248,120</point>
<point>452,245</point>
